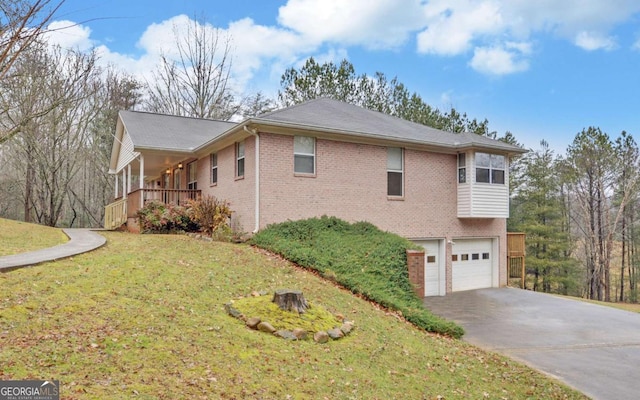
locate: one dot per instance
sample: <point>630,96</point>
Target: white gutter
<point>254,132</point>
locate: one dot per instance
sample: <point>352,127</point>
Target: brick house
<point>447,192</point>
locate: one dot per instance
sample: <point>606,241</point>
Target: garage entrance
<point>472,263</point>
<point>434,267</point>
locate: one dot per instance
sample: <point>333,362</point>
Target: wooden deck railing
<point>115,214</point>
<point>515,256</point>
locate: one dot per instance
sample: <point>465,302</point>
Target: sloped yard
<point>18,237</point>
<point>143,317</point>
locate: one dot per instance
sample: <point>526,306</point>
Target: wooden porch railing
<point>115,214</point>
<point>515,256</point>
<point>168,196</point>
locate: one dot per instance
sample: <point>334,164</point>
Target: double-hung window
<point>192,176</point>
<point>304,155</point>
<point>462,168</point>
<point>395,171</point>
<point>240,159</point>
<point>490,168</point>
<point>213,159</point>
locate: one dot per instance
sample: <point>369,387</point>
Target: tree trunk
<point>290,300</point>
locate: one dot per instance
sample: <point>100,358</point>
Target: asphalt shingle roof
<point>168,132</point>
<point>335,115</point>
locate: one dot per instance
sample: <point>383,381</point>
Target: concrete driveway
<point>593,348</point>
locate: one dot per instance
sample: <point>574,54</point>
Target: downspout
<point>254,132</point>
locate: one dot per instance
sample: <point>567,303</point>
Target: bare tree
<point>21,23</point>
<point>196,83</point>
<point>49,146</point>
<point>92,188</point>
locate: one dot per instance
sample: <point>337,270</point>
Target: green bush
<point>358,256</point>
<point>157,217</point>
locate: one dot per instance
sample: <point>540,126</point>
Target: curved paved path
<point>594,348</point>
<point>80,241</point>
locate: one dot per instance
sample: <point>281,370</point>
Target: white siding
<point>490,201</point>
<point>126,152</point>
<point>482,200</point>
<point>464,200</point>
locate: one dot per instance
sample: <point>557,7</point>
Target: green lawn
<point>18,237</point>
<point>633,307</point>
<point>143,317</point>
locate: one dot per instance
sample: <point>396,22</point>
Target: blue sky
<point>542,69</point>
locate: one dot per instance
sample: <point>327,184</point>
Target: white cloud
<point>491,27</point>
<point>500,60</point>
<point>593,41</point>
<point>68,35</point>
<point>377,24</point>
<point>454,26</point>
<point>494,35</point>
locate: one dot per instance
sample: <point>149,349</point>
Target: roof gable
<point>168,132</point>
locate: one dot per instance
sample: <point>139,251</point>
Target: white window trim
<point>238,158</point>
<point>462,167</point>
<point>401,171</point>
<point>213,167</point>
<point>192,166</point>
<point>490,168</point>
<point>313,155</point>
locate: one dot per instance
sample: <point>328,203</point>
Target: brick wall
<point>415,264</point>
<point>240,192</point>
<point>350,183</point>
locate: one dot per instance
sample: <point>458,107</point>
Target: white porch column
<point>141,180</point>
<point>129,178</point>
<point>124,184</point>
<point>141,171</point>
<point>115,195</point>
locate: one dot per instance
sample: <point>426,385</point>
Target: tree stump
<point>290,300</point>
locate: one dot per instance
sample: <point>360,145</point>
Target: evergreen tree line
<point>579,214</point>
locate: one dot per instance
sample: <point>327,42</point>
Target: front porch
<point>125,208</point>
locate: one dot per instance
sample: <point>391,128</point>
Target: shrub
<point>358,256</point>
<point>157,217</point>
<point>211,214</point>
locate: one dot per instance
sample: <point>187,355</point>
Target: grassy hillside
<point>360,257</point>
<point>17,237</point>
<point>143,317</point>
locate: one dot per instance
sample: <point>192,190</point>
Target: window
<point>213,159</point>
<point>304,155</point>
<point>166,181</point>
<point>454,257</point>
<point>431,259</point>
<point>485,256</point>
<point>464,257</point>
<point>462,168</point>
<point>394,171</point>
<point>192,176</point>
<point>240,159</point>
<point>475,256</point>
<point>176,178</point>
<point>490,168</point>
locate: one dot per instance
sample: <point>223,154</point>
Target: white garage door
<point>472,264</point>
<point>433,268</point>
